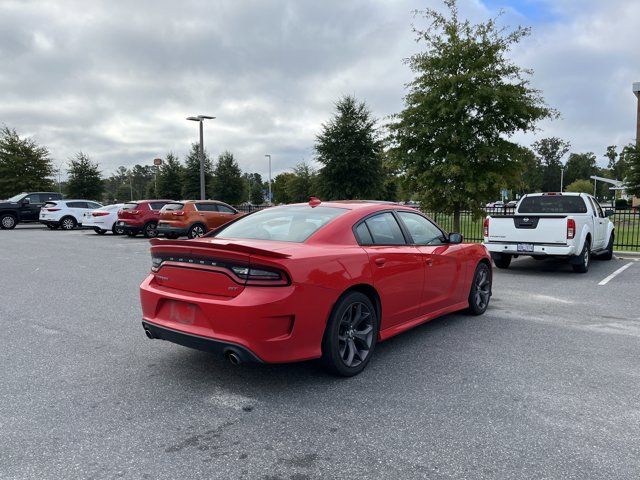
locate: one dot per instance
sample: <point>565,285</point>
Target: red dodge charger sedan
<point>319,280</point>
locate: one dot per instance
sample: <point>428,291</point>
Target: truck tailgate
<point>528,229</point>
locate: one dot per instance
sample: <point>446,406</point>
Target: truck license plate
<point>525,247</point>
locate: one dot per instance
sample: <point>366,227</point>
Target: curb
<point>625,254</point>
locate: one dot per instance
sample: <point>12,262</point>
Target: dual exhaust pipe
<point>229,354</point>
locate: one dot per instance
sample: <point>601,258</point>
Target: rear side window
<point>364,237</point>
<point>77,204</point>
<point>157,205</point>
<point>130,206</point>
<point>173,207</point>
<point>93,205</point>
<point>385,230</point>
<point>552,204</point>
<point>206,207</point>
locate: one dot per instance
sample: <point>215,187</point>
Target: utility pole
<point>269,156</point>
<point>201,119</point>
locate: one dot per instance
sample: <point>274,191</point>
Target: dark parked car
<point>24,207</point>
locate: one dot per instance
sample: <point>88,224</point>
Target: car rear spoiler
<point>157,244</point>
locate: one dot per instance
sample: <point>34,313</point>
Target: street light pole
<point>201,119</point>
<point>269,177</point>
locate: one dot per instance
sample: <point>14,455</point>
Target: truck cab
<point>24,207</point>
<point>570,225</point>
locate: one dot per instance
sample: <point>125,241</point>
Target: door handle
<point>380,261</point>
<point>429,262</point>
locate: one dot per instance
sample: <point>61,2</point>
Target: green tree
<point>349,150</point>
<point>580,166</point>
<point>617,164</point>
<point>191,174</point>
<point>24,166</point>
<point>228,185</point>
<point>580,186</point>
<point>85,180</point>
<point>530,173</point>
<point>550,152</point>
<point>170,175</point>
<point>464,104</point>
<point>280,187</point>
<point>303,184</point>
<point>631,155</point>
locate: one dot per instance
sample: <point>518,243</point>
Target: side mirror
<point>455,238</point>
<point>609,213</point>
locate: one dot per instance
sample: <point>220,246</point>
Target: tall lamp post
<point>269,156</point>
<point>201,119</point>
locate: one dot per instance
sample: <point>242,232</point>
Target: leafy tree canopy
<point>191,174</point>
<point>24,166</point>
<point>580,166</point>
<point>349,151</point>
<point>464,104</point>
<point>228,185</point>
<point>580,186</point>
<point>170,176</point>
<point>85,180</point>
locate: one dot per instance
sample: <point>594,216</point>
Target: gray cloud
<point>116,79</point>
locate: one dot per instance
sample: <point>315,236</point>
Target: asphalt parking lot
<point>545,385</point>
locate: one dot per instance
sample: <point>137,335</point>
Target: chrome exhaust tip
<point>148,333</point>
<point>233,358</point>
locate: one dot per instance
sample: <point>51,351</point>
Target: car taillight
<point>52,209</point>
<point>99,214</point>
<point>178,213</point>
<point>258,276</point>
<point>571,228</point>
<point>486,227</point>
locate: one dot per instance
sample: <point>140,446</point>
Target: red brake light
<point>571,228</point>
<point>99,214</point>
<point>52,209</point>
<point>486,227</point>
<point>178,213</point>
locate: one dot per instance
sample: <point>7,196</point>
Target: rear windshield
<point>285,224</point>
<point>50,204</point>
<point>171,207</point>
<point>552,204</point>
<point>130,206</point>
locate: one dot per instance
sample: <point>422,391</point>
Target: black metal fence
<point>626,221</point>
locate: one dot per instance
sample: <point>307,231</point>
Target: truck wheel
<point>502,260</point>
<point>8,221</point>
<point>608,254</point>
<point>581,264</point>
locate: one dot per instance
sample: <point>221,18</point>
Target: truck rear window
<point>552,204</point>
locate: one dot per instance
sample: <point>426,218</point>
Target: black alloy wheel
<point>480,293</point>
<point>150,230</point>
<point>351,334</point>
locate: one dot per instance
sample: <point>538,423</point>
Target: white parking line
<point>615,274</point>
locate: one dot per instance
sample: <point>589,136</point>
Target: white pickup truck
<point>571,225</point>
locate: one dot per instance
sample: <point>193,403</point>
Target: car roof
<point>355,204</point>
<point>557,194</point>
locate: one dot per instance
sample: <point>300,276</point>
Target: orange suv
<point>194,218</point>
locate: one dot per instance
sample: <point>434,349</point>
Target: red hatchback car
<point>318,280</point>
<point>141,217</point>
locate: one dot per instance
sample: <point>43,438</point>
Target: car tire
<point>608,253</point>
<point>116,230</point>
<point>150,230</point>
<point>350,335</point>
<point>68,223</point>
<point>582,261</point>
<point>99,231</point>
<point>8,221</point>
<point>501,260</point>
<point>480,292</point>
<point>196,231</point>
<point>171,236</point>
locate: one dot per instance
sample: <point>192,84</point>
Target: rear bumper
<point>538,249</point>
<point>168,229</point>
<point>197,342</point>
<point>129,227</point>
<point>275,324</point>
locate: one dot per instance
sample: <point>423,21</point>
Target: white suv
<point>66,214</point>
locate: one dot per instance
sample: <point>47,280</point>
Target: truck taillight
<point>571,228</point>
<point>486,227</point>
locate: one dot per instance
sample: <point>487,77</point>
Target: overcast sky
<point>116,79</point>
